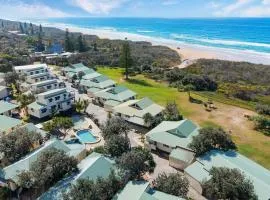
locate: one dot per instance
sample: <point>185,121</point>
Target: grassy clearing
<point>250,143</point>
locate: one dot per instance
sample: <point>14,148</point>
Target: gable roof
<point>118,93</point>
<point>90,76</point>
<point>11,171</point>
<point>231,159</point>
<point>7,123</point>
<point>174,134</point>
<point>6,106</point>
<point>94,166</point>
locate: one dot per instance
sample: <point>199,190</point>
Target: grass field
<point>251,143</point>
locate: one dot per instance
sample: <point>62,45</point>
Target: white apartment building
<point>52,101</point>
<point>46,85</point>
<point>28,70</point>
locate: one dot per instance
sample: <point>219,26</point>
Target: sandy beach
<point>186,51</point>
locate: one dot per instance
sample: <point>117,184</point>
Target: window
<point>49,87</point>
<point>42,71</point>
<point>36,72</point>
<point>55,85</point>
<point>36,80</point>
<point>57,98</point>
<point>50,100</point>
<point>59,106</point>
<point>166,145</point>
<point>44,110</point>
<point>41,79</point>
<point>31,73</point>
<point>68,103</point>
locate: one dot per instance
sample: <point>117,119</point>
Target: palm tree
<point>24,100</point>
<point>81,105</point>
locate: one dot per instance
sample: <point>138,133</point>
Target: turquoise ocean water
<point>251,34</point>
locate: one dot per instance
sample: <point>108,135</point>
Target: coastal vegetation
<point>228,183</point>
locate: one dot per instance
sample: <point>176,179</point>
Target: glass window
<point>49,87</point>
<point>50,100</point>
<point>31,73</point>
<point>44,110</point>
<point>57,98</point>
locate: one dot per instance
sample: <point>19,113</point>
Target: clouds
<point>242,8</point>
<point>20,10</point>
<point>99,6</point>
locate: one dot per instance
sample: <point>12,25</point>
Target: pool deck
<point>95,130</point>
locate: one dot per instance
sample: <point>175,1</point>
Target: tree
<point>115,126</point>
<point>58,125</point>
<point>171,112</point>
<point>11,78</point>
<point>24,100</point>
<point>18,143</point>
<point>174,184</point>
<point>117,145</point>
<point>50,167</point>
<point>125,58</point>
<point>81,47</point>
<point>211,138</point>
<point>81,105</point>
<point>136,162</point>
<point>102,189</point>
<point>151,121</point>
<point>80,75</point>
<point>263,109</point>
<point>68,42</point>
<point>31,29</point>
<point>228,183</point>
<point>262,124</point>
<point>21,28</point>
<point>188,88</point>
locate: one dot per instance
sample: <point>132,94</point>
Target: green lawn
<point>250,143</point>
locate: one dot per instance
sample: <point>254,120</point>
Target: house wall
<point>46,87</point>
<point>31,79</point>
<point>195,184</point>
<point>178,164</point>
<point>3,93</point>
<point>50,101</point>
<point>162,147</point>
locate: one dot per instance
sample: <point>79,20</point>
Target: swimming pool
<point>87,137</point>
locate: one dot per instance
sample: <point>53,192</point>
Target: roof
<point>54,92</point>
<point>256,173</point>
<point>32,128</point>
<point>179,154</point>
<point>111,103</point>
<point>118,93</point>
<point>140,190</point>
<point>30,67</point>
<point>36,106</point>
<point>24,164</point>
<point>7,123</point>
<point>94,166</point>
<point>90,76</point>
<point>2,87</point>
<point>6,106</point>
<point>93,90</point>
<point>46,82</point>
<point>139,108</point>
<point>174,134</point>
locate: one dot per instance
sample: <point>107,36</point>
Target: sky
<point>39,9</point>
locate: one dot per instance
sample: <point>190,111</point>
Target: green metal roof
<point>118,93</point>
<point>183,155</point>
<point>256,173</point>
<point>24,164</point>
<point>95,166</point>
<point>174,134</point>
<point>144,103</point>
<point>111,103</point>
<point>36,106</point>
<point>94,90</point>
<point>7,123</point>
<point>163,196</point>
<point>6,106</point>
<point>32,128</point>
<point>78,65</point>
<point>92,75</point>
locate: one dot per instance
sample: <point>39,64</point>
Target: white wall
<point>3,93</point>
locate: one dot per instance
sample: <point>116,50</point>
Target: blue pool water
<point>86,136</point>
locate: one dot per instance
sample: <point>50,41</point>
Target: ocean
<point>250,34</point>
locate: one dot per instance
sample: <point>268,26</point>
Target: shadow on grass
<point>139,82</point>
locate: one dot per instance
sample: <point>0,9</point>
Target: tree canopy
<point>136,162</point>
<point>17,144</point>
<point>50,167</point>
<point>101,189</point>
<point>171,112</point>
<point>228,183</point>
<point>211,138</point>
<point>174,184</point>
<point>125,58</point>
<point>58,125</point>
<point>117,145</point>
<point>115,126</point>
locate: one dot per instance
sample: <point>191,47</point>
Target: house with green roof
<point>56,100</point>
<point>133,111</point>
<point>114,96</point>
<point>7,124</point>
<point>141,190</point>
<point>6,108</point>
<point>75,69</point>
<point>173,138</point>
<point>259,176</point>
<point>93,166</point>
<point>12,171</point>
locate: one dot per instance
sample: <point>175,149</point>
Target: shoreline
<point>186,51</point>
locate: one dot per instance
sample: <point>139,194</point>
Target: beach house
<point>91,86</point>
<point>52,101</point>
<point>46,85</point>
<point>74,71</point>
<point>171,138</point>
<point>12,171</point>
<point>258,175</point>
<point>141,190</point>
<point>3,92</point>
<point>28,70</point>
<point>134,111</point>
<point>7,108</point>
